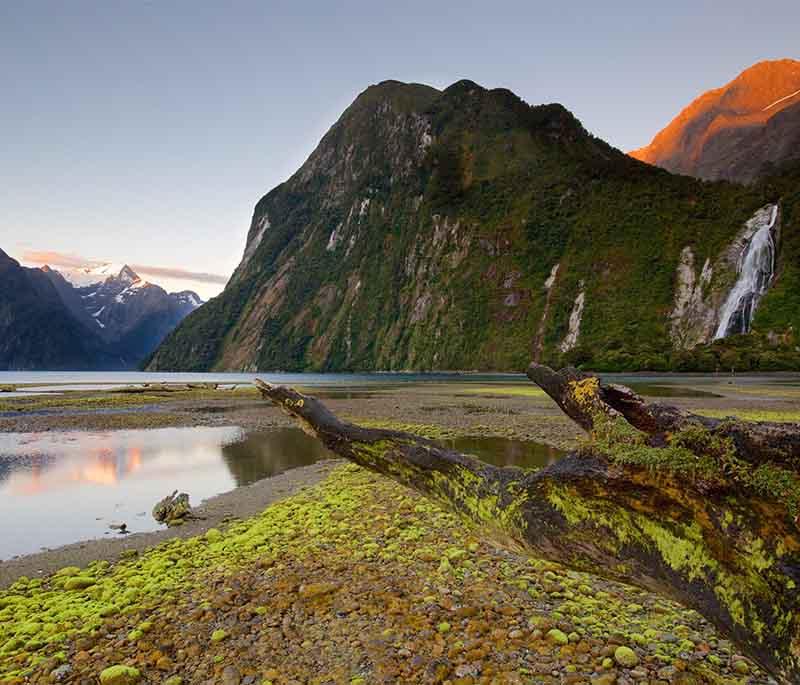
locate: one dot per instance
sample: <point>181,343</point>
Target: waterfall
<point>756,268</point>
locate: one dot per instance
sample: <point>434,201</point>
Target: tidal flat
<point>328,574</point>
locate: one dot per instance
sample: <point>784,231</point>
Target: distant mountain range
<point>466,229</point>
<point>736,132</point>
<point>105,318</point>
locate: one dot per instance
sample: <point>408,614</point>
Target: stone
<point>231,676</point>
<point>61,673</point>
<point>314,590</point>
<point>605,679</point>
<point>173,509</point>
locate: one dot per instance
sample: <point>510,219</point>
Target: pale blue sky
<point>146,131</point>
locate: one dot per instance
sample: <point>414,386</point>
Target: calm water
<point>356,384</point>
<point>57,488</point>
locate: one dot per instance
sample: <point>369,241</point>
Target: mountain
<point>465,229</point>
<point>736,132</point>
<point>37,331</point>
<point>47,323</point>
<point>130,315</point>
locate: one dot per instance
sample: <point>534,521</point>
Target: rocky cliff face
<point>465,229</point>
<point>736,132</point>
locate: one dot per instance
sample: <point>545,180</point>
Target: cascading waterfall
<point>756,268</point>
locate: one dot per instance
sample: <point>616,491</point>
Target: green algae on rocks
<point>352,523</point>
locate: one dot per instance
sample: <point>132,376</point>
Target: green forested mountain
<point>465,229</point>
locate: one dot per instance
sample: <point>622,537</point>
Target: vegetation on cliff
<point>459,230</point>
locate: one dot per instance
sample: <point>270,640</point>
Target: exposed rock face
<point>736,131</point>
<point>693,318</point>
<point>575,316</point>
<point>424,233</point>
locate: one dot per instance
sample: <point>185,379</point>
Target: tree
<point>701,510</point>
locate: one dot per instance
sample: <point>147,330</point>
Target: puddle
<point>507,452</point>
<point>62,487</point>
<point>654,390</point>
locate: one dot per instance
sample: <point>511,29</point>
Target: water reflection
<point>268,453</point>
<point>57,488</point>
<point>506,452</point>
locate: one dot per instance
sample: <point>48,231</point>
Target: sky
<point>145,132</point>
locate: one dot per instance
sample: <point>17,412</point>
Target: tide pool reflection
<point>57,488</point>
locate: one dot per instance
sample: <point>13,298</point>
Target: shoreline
<point>329,572</point>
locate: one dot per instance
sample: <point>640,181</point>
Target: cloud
<point>180,274</point>
<point>73,261</point>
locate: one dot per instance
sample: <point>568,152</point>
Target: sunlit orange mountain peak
<point>732,132</point>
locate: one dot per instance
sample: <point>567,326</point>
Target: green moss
<point>79,583</point>
<point>697,453</point>
<point>111,399</point>
<point>120,675</point>
<point>775,415</point>
<point>505,390</point>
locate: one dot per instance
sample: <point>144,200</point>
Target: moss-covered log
<point>698,510</point>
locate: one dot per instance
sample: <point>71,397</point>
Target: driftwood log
<point>703,511</point>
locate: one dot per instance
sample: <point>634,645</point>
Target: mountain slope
<point>464,229</point>
<point>737,131</point>
<point>36,330</point>
<point>130,315</point>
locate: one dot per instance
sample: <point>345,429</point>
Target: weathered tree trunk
<point>699,510</point>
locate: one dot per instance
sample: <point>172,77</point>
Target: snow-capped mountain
<point>83,276</point>
<point>129,314</point>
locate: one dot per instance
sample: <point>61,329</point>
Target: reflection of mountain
<point>99,465</point>
<point>265,454</point>
<point>507,452</point>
